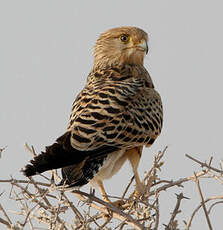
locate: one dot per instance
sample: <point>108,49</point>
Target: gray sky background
<point>46,52</point>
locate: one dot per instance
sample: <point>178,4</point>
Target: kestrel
<point>113,117</point>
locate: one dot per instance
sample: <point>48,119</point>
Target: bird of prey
<point>117,113</point>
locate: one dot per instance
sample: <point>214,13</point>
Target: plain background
<point>46,52</point>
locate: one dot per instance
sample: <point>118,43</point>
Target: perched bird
<point>113,117</point>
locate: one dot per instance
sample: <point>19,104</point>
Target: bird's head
<point>123,45</point>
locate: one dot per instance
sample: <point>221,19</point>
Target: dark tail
<point>62,154</point>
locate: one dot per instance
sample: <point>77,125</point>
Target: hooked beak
<point>143,45</point>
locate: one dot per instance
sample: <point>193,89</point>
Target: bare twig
<point>203,164</point>
<point>172,224</point>
<point>30,149</point>
<point>14,181</point>
<point>176,183</point>
<point>213,205</point>
<point>157,211</point>
<point>198,207</point>
<point>202,201</point>
<point>117,213</point>
<point>74,209</point>
<point>42,202</point>
<point>127,188</point>
<point>2,221</point>
<point>5,214</point>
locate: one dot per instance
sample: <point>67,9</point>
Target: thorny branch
<point>41,203</point>
<point>202,201</point>
<point>173,223</point>
<point>204,164</point>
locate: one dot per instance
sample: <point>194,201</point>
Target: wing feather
<point>112,111</point>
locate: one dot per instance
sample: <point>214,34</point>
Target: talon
<point>118,204</point>
<point>140,190</point>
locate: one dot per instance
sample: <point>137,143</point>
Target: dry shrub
<point>42,206</point>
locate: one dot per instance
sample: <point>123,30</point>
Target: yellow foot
<point>118,204</point>
<point>140,191</point>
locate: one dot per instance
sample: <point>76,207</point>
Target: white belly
<point>110,166</point>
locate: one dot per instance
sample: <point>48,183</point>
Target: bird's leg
<point>102,190</point>
<point>117,203</point>
<point>134,156</point>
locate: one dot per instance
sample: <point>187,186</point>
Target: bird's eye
<point>124,38</point>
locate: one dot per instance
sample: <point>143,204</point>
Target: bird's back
<point>121,109</point>
<point>119,106</point>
